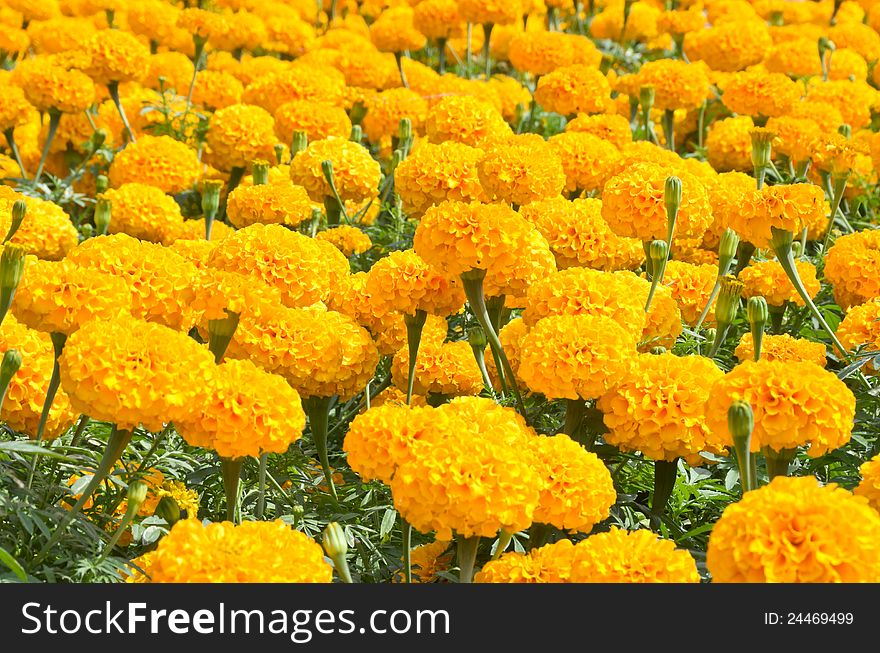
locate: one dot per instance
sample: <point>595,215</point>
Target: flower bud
<point>646,98</point>
<point>137,493</point>
<point>336,547</point>
<point>477,338</point>
<point>97,140</point>
<point>727,251</point>
<point>728,300</point>
<point>12,262</point>
<point>87,230</point>
<point>279,153</point>
<point>762,141</point>
<point>260,172</point>
<point>740,423</point>
<point>658,350</point>
<point>8,367</point>
<point>102,183</point>
<point>168,510</point>
<point>220,334</point>
<point>298,143</point>
<point>758,313</point>
<point>797,249</point>
<point>327,169</point>
<point>405,135</point>
<point>102,216</point>
<point>357,134</point>
<point>672,198</point>
<point>211,198</point>
<point>658,252</point>
<point>19,211</point>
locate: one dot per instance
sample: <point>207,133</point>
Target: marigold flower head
<point>437,19</point>
<point>387,108</point>
<point>169,70</point>
<point>861,326</point>
<point>515,98</point>
<point>691,286</point>
<point>201,23</point>
<point>158,161</point>
<point>317,119</point>
<point>578,491</point>
<point>355,172</point>
<point>588,161</point>
<point>318,83</point>
<point>574,89</point>
<point>758,93</point>
<point>575,356</point>
<point>394,31</point>
<point>851,265</point>
<point>787,207</point>
<point>51,87</point>
<point>116,56</point>
<point>861,38</point>
<point>521,170</point>
<point>465,119</point>
<point>281,203</point>
<point>46,232</point>
<point>23,402</point>
<point>609,127</point>
<point>347,239</point>
<point>870,484</point>
<point>767,279</point>
<point>853,98</point>
<point>677,85</point>
<point>216,89</point>
<point>494,12</point>
<point>794,530</point>
<point>658,408</point>
<point>541,53</point>
<point>435,173</point>
<point>143,211</point>
<point>447,368</point>
<point>782,347</point>
<point>641,25</point>
<point>427,560</point>
<point>729,143</point>
<point>794,136</point>
<point>239,134</point>
<point>633,204</point>
<point>251,552</point>
<point>248,412</point>
<point>15,110</point>
<point>145,374</point>
<point>404,282</point>
<point>795,404</point>
<point>283,259</point>
<point>729,46</point>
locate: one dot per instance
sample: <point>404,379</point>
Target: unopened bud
<point>260,172</point>
<point>741,423</point>
<point>12,262</point>
<point>336,547</point>
<point>211,198</point>
<point>8,367</point>
<point>646,98</point>
<point>102,216</point>
<point>279,153</point>
<point>658,252</point>
<point>168,509</point>
<point>137,493</point>
<point>477,338</point>
<point>728,300</point>
<point>357,134</point>
<point>658,350</point>
<point>220,332</point>
<point>327,169</point>
<point>762,142</point>
<point>727,251</point>
<point>97,139</point>
<point>405,135</point>
<point>672,199</point>
<point>102,183</point>
<point>758,313</point>
<point>19,211</point>
<point>299,142</point>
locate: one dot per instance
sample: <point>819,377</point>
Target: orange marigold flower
<point>781,347</point>
<point>588,161</point>
<point>299,82</point>
<point>355,172</point>
<point>609,127</point>
<point>794,403</point>
<point>433,173</point>
<point>835,532</point>
<point>641,25</point>
<point>158,161</point>
<point>46,232</point>
<point>794,137</point>
<point>658,408</point>
<point>317,119</point>
<point>144,212</point>
<point>494,12</point>
<point>851,265</point>
<point>404,282</point>
<point>541,53</point>
<point>870,484</point>
<point>216,89</point>
<point>394,31</point>
<point>677,85</point>
<point>465,119</point>
<point>174,68</point>
<point>239,134</point>
<point>515,98</point>
<point>347,239</point>
<point>521,170</point>
<point>691,286</point>
<point>447,368</point>
<point>729,143</point>
<point>437,19</point>
<point>757,93</point>
<point>788,207</point>
<point>279,203</point>
<point>386,109</point>
<point>853,98</point>
<point>50,87</point>
<point>116,56</point>
<point>767,279</point>
<point>861,326</point>
<point>729,46</point>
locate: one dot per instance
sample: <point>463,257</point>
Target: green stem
<point>318,410</point>
<point>54,120</point>
<point>473,289</point>
<point>744,462</point>
<point>467,557</point>
<point>487,31</point>
<point>235,176</point>
<point>414,325</point>
<point>58,341</point>
<point>668,130</point>
<point>665,473</point>
<point>504,538</point>
<point>441,56</point>
<point>119,439</point>
<point>13,147</point>
<point>467,55</point>
<point>836,197</point>
<point>777,314</point>
<point>230,468</point>
<point>778,461</point>
<point>113,89</point>
<point>480,357</point>
<point>574,418</point>
<point>781,242</point>
<point>398,57</point>
<point>744,252</point>
<point>712,297</point>
<point>406,545</point>
<point>261,486</point>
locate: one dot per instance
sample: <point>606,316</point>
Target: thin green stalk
<point>318,411</point>
<point>836,197</point>
<point>414,325</point>
<point>406,545</point>
<point>261,486</point>
<point>487,31</point>
<point>668,129</point>
<point>54,120</point>
<point>665,473</point>
<point>778,462</point>
<point>13,147</point>
<point>58,341</point>
<point>712,297</point>
<point>504,538</point>
<point>467,557</point>
<point>230,468</point>
<point>113,89</point>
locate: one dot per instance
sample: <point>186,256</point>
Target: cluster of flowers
<point>238,156</point>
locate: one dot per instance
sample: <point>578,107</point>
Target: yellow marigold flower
<point>455,237</point>
<point>245,31</point>
<point>50,87</point>
<point>494,12</point>
<point>216,89</point>
<point>677,85</point>
<point>633,204</point>
<point>280,203</point>
<point>853,98</point>
<point>580,237</point>
<point>435,173</point>
<point>851,265</point>
<point>726,194</point>
<point>515,98</point>
<point>427,560</point>
<point>578,492</point>
<point>588,161</point>
<point>581,291</point>
<point>162,162</point>
<point>861,326</point>
<point>575,356</point>
<point>204,24</point>
<point>782,347</point>
<point>395,397</point>
<point>521,170</point>
<point>186,499</point>
<point>795,404</point>
<point>356,173</point>
<point>116,56</point>
<point>448,368</point>
<point>46,233</point>
<point>248,412</point>
<point>145,374</point>
<point>34,9</point>
<point>796,531</point>
<point>215,292</point>
<point>861,38</point>
<point>682,21</point>
<point>437,19</point>
<point>394,31</point>
<point>787,207</point>
<point>404,282</point>
<point>798,58</point>
<point>870,484</point>
<point>729,143</point>
<point>159,280</point>
<point>144,212</point>
<point>465,119</point>
<point>658,408</point>
<point>641,26</point>
<point>299,82</point>
<point>289,34</point>
<point>757,93</point>
<point>15,110</point>
<point>174,68</point>
<point>157,21</point>
<point>317,119</point>
<point>794,136</point>
<point>729,46</point>
<point>60,296</point>
<point>609,127</point>
<point>251,552</point>
<point>195,230</point>
<point>27,389</point>
<point>540,53</point>
<point>347,239</point>
<point>196,251</point>
<point>502,490</point>
<point>283,259</point>
<point>386,109</point>
<point>617,556</point>
<point>767,279</point>
<point>238,134</point>
<point>691,286</point>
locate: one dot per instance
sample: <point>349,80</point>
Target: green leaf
<point>388,520</point>
<point>27,448</point>
<point>7,559</point>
